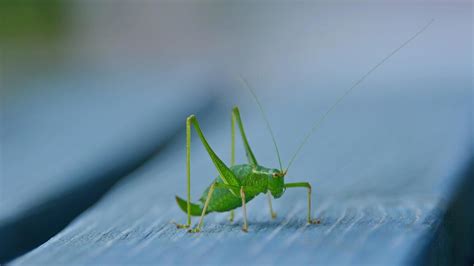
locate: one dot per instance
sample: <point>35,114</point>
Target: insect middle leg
<point>208,198</point>
<point>308,186</point>
<point>245,228</point>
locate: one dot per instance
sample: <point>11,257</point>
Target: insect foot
<point>245,229</point>
<point>314,221</point>
<point>180,226</point>
<point>274,215</point>
<point>194,230</point>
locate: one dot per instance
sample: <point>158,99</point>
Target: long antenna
<point>247,84</point>
<point>318,123</point>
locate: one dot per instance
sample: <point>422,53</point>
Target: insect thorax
<point>259,179</point>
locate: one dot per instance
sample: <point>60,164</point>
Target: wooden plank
<point>453,242</point>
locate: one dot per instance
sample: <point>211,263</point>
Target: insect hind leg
<point>188,175</point>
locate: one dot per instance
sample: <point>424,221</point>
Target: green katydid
<point>238,184</point>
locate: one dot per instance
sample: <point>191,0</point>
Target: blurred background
<point>90,90</point>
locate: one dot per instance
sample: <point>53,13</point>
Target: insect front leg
<point>308,186</point>
<point>272,213</point>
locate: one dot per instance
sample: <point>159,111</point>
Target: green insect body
<point>256,180</point>
<point>238,184</point>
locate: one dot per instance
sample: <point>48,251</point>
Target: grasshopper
<point>238,184</point>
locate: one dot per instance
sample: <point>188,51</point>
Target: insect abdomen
<point>196,209</point>
<point>222,200</point>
